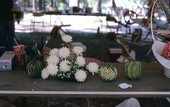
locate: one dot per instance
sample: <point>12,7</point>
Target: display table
<point>163,33</point>
<point>58,14</point>
<point>152,83</point>
<point>75,13</point>
<point>160,33</point>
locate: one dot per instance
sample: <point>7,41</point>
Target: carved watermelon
<point>108,72</point>
<point>133,69</point>
<point>34,68</point>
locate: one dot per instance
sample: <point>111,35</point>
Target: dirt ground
<point>81,102</point>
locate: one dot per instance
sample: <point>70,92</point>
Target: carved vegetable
<point>108,72</point>
<point>34,68</point>
<point>133,69</point>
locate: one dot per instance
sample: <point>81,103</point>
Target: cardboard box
<point>114,54</point>
<point>6,61</point>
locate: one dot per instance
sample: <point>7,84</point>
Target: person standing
<point>7,33</point>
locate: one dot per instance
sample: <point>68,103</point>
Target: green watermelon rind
<point>133,70</point>
<point>34,68</point>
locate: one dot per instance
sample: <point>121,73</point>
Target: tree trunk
<point>40,2</point>
<point>44,5</point>
<point>66,3</point>
<point>28,3</point>
<point>51,3</point>
<point>33,5</point>
<point>77,3</point>
<point>99,6</point>
<point>85,3</point>
<point>56,5</point>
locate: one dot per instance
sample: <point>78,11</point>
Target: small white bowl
<point>167,72</point>
<point>157,49</point>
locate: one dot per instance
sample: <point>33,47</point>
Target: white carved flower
<point>67,38</point>
<point>80,61</point>
<point>93,67</point>
<point>80,75</point>
<point>53,60</point>
<point>78,50</point>
<point>52,69</point>
<point>64,52</point>
<point>44,74</point>
<point>54,52</point>
<point>64,67</point>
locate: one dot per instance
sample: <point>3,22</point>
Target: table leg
<point>88,102</point>
<point>48,102</point>
<point>147,35</point>
<point>85,102</point>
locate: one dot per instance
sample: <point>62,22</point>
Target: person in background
<point>6,26</point>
